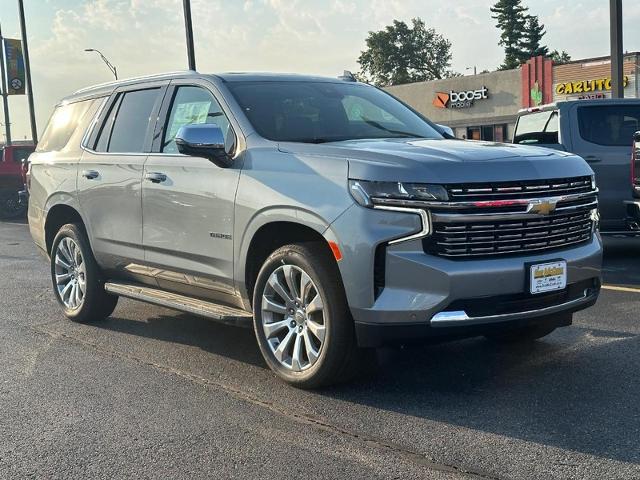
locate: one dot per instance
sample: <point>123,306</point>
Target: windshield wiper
<point>379,126</point>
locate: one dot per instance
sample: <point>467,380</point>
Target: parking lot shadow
<point>576,390</point>
<point>230,341</point>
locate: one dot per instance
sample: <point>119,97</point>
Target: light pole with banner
<point>27,73</point>
<point>4,93</point>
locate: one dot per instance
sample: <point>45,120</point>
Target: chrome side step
<point>222,313</point>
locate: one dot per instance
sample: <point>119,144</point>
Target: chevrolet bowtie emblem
<point>542,207</point>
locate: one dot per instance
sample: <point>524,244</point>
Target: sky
<point>322,37</point>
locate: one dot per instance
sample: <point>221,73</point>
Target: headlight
<point>369,194</point>
<point>593,182</point>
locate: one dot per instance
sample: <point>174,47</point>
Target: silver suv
<point>325,211</point>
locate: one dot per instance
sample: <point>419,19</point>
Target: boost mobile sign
<point>463,99</point>
<point>15,66</point>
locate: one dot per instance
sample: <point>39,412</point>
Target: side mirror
<point>204,140</point>
<point>447,131</point>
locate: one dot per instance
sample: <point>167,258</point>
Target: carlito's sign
<point>587,86</point>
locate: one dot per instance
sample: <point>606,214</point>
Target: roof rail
<point>133,79</point>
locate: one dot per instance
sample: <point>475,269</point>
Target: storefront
<point>479,107</point>
<point>485,106</point>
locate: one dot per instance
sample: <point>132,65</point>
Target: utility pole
<point>5,95</point>
<point>27,71</point>
<point>188,27</point>
<point>617,58</point>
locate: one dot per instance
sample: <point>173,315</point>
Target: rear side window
<point>62,125</point>
<point>537,128</point>
<point>126,126</point>
<point>610,125</point>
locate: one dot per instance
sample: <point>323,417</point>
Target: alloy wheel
<point>70,273</point>
<point>293,319</point>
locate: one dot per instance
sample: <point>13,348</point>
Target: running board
<point>221,313</point>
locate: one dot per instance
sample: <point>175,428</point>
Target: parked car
<point>602,132</point>
<point>325,211</point>
<point>633,206</point>
<point>12,205</point>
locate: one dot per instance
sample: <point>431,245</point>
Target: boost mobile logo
<point>459,99</point>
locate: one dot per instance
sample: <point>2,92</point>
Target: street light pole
<point>5,97</point>
<point>110,66</point>
<point>188,27</point>
<point>617,58</point>
<point>27,71</point>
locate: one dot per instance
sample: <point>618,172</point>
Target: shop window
<point>489,133</point>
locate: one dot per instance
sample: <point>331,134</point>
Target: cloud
<point>308,36</point>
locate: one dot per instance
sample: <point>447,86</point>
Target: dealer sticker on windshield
<point>546,277</point>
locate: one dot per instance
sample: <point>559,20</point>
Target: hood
<point>445,161</point>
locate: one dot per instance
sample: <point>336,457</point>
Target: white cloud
<point>308,36</point>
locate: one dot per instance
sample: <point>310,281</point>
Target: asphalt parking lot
<point>151,393</point>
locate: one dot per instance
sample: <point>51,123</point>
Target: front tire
<point>76,278</point>
<point>301,318</point>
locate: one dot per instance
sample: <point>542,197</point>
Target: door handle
<point>90,174</point>
<point>592,159</point>
<point>155,177</point>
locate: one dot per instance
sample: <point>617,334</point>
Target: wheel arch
<point>267,235</point>
<point>58,215</point>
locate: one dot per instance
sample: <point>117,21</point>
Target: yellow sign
<point>548,272</point>
<point>586,86</point>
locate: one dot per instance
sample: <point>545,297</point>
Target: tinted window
<point>105,129</point>
<point>318,112</point>
<point>132,121</point>
<point>63,123</point>
<point>537,128</point>
<point>612,125</point>
<point>20,154</point>
<point>193,105</point>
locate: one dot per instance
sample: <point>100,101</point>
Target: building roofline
<point>595,59</point>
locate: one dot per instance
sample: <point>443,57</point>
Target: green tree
<point>560,58</point>
<point>532,38</point>
<point>511,17</point>
<point>403,54</point>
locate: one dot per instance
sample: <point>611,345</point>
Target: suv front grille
<point>515,190</point>
<point>510,236</point>
<point>466,229</point>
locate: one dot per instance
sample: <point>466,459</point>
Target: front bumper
<point>426,295</point>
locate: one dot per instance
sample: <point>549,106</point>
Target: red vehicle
<point>12,179</point>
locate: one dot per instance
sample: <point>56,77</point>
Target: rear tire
<point>76,277</point>
<point>301,318</point>
<point>526,334</point>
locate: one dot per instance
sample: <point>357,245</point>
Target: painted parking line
<point>621,289</point>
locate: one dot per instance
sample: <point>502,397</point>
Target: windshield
<point>318,112</point>
<point>537,128</point>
